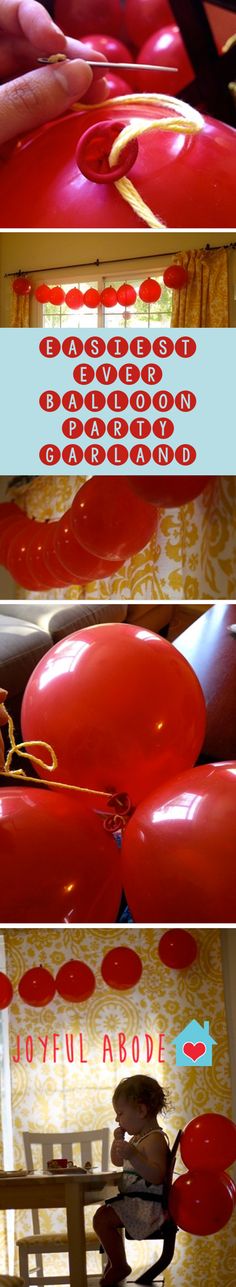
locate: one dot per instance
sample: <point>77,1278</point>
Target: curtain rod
<point>96,263</point>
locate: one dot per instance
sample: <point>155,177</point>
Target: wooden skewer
<point>61,58</point>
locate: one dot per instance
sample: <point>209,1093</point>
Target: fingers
<point>41,96</point>
<point>31,18</point>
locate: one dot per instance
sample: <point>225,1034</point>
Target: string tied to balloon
<point>187,120</point>
<point>119,804</point>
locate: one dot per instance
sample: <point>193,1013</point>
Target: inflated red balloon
<point>84,567</point>
<point>121,968</point>
<point>10,525</point>
<point>17,556</point>
<point>199,1207</point>
<point>114,50</point>
<point>74,298</point>
<point>58,862</point>
<point>116,85</point>
<point>57,295</point>
<point>208,1143</point>
<point>178,949</point>
<point>88,16</point>
<point>59,576</point>
<point>181,178</point>
<point>126,295</point>
<point>165,47</point>
<point>92,297</point>
<point>75,981</point>
<point>42,293</point>
<point>37,986</point>
<point>35,558</point>
<point>142,17</point>
<point>109,297</point>
<point>175,276</point>
<point>21,286</point>
<point>110,521</point>
<point>127,703</point>
<point>8,510</point>
<point>149,291</point>
<point>6,991</point>
<point>169,492</point>
<point>179,849</point>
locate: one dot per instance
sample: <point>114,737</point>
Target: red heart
<point>193,1049</point>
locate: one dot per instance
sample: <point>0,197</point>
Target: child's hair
<point>141,1090</point>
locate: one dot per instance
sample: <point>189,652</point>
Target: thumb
<point>41,96</point>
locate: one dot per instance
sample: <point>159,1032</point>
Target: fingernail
<point>75,77</point>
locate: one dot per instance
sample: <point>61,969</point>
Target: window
<point>158,315</point>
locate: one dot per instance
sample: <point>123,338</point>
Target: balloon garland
<point>109,520</point>
<point>149,291</point>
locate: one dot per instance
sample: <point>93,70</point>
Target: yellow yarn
<point>187,121</point>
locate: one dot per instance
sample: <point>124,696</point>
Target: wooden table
<point>68,1190</point>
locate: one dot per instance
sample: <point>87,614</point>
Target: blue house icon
<point>194,1045</point>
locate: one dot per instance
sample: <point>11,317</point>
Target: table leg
<point>76,1235</point>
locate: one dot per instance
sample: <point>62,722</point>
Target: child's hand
<point>27,33</point>
<point>123,1149</point>
<point>119,1134</point>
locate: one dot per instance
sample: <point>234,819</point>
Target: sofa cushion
<point>77,617</point>
<point>22,644</point>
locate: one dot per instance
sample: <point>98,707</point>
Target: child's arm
<point>118,1139</point>
<point>150,1160</point>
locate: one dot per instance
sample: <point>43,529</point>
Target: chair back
<point>172,1160</point>
<point>62,1144</point>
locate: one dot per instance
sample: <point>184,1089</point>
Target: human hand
<point>119,1134</point>
<point>123,1149</point>
<point>27,33</point>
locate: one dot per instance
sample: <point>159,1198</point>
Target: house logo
<point>194,1045</point>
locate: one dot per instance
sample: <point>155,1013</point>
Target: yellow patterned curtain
<point>204,300</point>
<point>57,1096</point>
<point>20,310</point>
<point>191,555</point>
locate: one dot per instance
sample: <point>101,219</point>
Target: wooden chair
<point>39,1244</point>
<point>167,1232</point>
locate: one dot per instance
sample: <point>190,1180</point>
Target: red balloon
<point>110,521</point>
<point>57,295</point>
<point>182,179</point>
<point>8,510</point>
<point>109,297</point>
<point>89,15</point>
<point>92,297</point>
<point>179,849</point>
<point>112,49</point>
<point>12,524</point>
<point>199,1207</point>
<point>208,1143</point>
<point>177,949</point>
<point>75,981</point>
<point>84,567</point>
<point>6,991</point>
<point>164,48</point>
<point>50,840</point>
<point>43,293</point>
<point>116,85</point>
<point>121,707</point>
<point>17,556</point>
<point>126,295</point>
<point>21,286</point>
<point>175,276</point>
<point>37,986</point>
<point>59,575</point>
<point>35,562</point>
<point>169,492</point>
<point>150,290</point>
<point>142,17</point>
<point>74,298</point>
<point>121,968</point>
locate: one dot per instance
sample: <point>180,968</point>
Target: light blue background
<point>25,428</point>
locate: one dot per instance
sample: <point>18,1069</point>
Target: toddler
<point>139,1207</point>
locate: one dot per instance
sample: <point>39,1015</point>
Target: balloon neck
<point>94,149</point>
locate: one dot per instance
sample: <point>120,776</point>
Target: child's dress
<point>140,1206</point>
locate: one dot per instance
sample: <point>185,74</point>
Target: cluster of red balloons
<point>149,291</point>
<point>122,710</point>
<point>202,1200</point>
<point>110,520</point>
<point>121,969</point>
